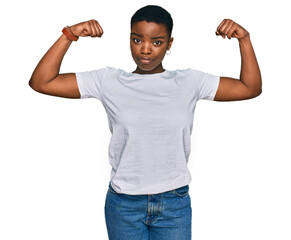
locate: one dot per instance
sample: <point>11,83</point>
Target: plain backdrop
<point>54,169</point>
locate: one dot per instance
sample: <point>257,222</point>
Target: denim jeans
<point>163,216</point>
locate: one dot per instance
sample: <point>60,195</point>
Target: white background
<point>54,169</point>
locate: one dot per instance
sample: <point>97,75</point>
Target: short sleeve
<point>90,83</point>
<point>208,86</point>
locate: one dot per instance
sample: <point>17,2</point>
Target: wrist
<point>69,34</point>
<point>245,40</point>
<point>70,31</point>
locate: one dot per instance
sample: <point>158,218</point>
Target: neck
<point>158,69</point>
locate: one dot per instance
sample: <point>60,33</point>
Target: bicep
<point>64,85</point>
<point>231,89</point>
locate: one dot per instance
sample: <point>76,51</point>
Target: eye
<point>136,40</point>
<point>157,43</point>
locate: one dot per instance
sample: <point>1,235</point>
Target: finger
<point>87,29</point>
<point>92,26</point>
<point>229,29</point>
<point>222,29</point>
<point>221,24</point>
<point>97,31</point>
<point>97,28</point>
<point>232,30</point>
<point>100,28</point>
<point>218,31</point>
<point>100,31</point>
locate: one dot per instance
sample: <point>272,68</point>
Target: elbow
<point>256,90</point>
<point>259,90</point>
<point>256,93</point>
<point>34,85</point>
<point>30,83</point>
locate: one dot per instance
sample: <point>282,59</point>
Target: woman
<point>150,113</point>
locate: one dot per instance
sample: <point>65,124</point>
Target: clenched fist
<point>231,29</point>
<point>84,29</point>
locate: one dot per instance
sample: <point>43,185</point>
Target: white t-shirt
<point>150,117</point>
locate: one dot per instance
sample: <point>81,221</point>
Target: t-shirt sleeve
<point>90,83</point>
<point>208,85</point>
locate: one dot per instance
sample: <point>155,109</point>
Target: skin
<point>144,43</point>
<point>149,43</point>
<point>250,83</point>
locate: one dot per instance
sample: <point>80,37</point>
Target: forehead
<point>145,28</point>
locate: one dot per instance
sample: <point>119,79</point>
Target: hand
<point>84,29</point>
<point>231,29</point>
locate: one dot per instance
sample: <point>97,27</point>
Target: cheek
<point>162,53</point>
<point>133,50</point>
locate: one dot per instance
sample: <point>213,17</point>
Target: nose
<point>146,48</point>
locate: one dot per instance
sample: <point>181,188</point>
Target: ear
<point>170,43</point>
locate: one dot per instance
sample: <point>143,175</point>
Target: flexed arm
<point>250,83</point>
<point>46,78</point>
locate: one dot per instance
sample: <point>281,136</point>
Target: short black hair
<point>153,13</point>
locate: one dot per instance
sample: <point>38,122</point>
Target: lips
<point>145,60</point>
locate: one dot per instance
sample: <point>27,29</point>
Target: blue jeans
<point>163,216</point>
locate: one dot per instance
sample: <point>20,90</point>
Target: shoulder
<point>107,71</point>
<point>197,74</point>
<point>188,73</point>
<point>113,70</point>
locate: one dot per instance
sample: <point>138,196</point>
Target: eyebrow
<point>133,33</point>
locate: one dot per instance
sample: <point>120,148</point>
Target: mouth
<point>145,60</point>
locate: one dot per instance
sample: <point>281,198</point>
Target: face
<point>149,43</point>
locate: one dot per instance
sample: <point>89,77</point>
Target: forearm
<point>49,66</point>
<point>250,72</point>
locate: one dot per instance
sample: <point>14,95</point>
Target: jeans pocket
<point>182,191</point>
